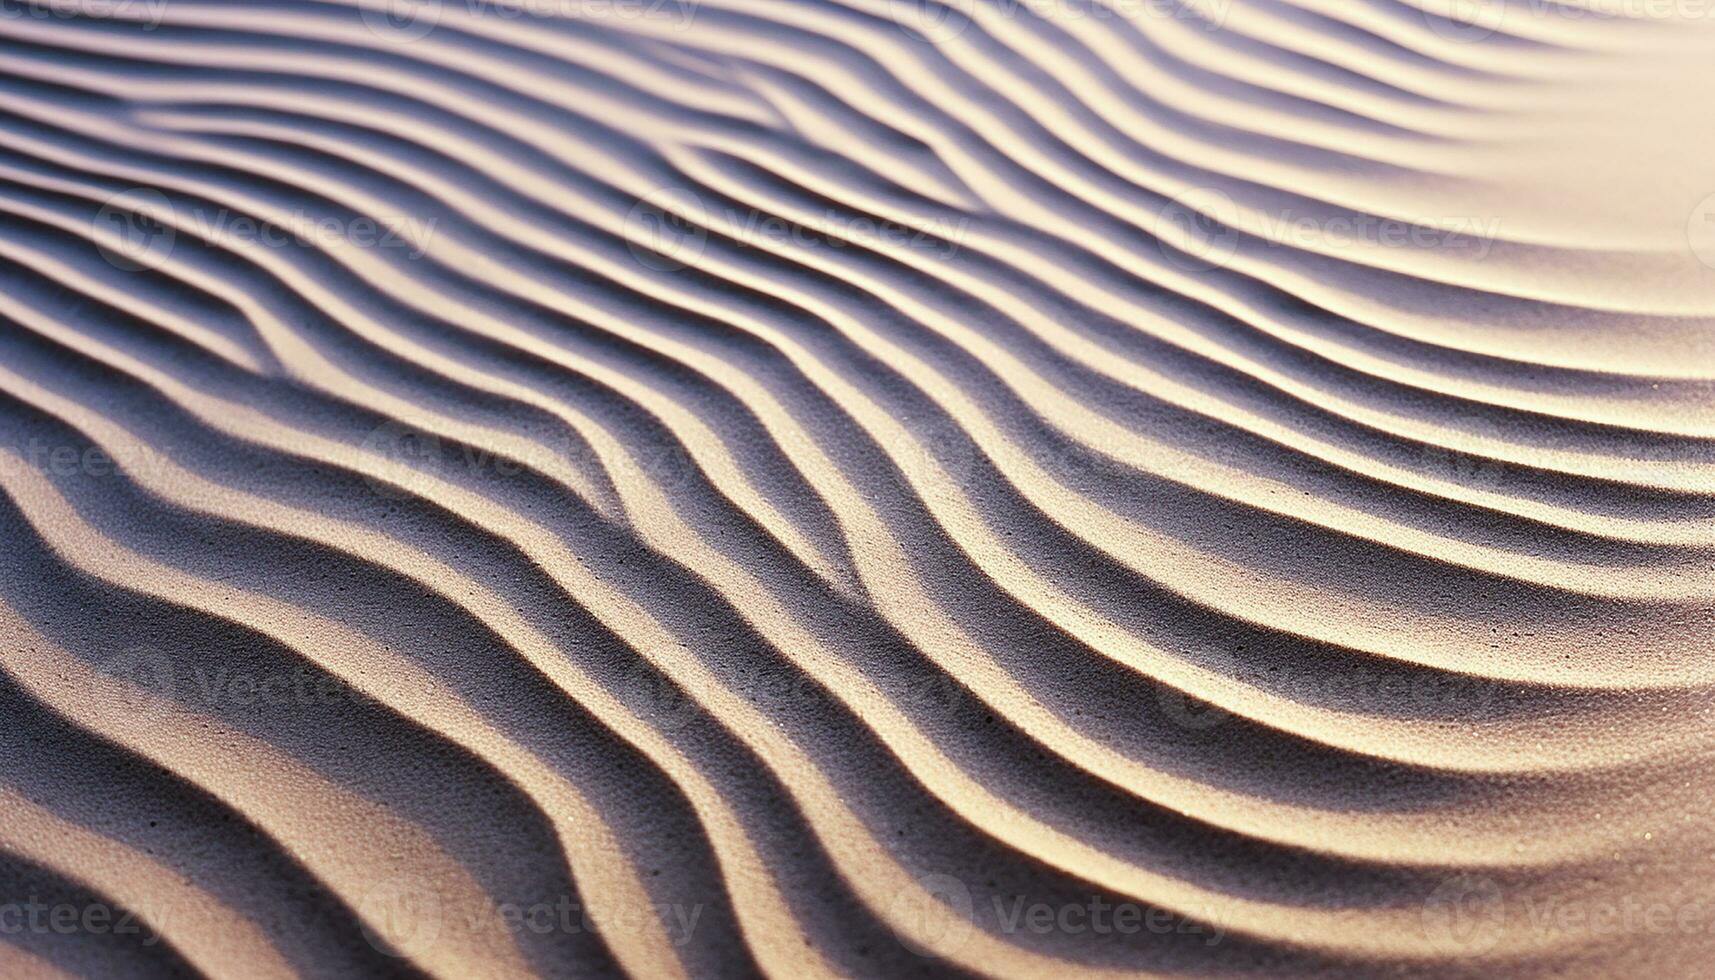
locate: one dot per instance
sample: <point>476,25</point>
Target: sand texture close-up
<point>872,488</point>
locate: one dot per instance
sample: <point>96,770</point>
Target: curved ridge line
<point>205,930</point>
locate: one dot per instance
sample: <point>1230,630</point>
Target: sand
<point>857,487</point>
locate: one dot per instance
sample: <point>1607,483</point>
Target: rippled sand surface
<point>1062,488</point>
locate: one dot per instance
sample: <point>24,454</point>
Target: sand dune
<point>1023,488</point>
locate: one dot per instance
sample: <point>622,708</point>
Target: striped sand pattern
<point>856,487</point>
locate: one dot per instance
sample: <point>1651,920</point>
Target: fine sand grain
<point>886,488</point>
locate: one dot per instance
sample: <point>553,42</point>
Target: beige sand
<point>857,487</point>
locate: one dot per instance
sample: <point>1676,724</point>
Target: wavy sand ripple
<point>861,487</point>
